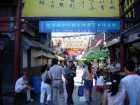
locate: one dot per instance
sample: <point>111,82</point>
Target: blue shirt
<point>131,84</point>
<point>69,73</point>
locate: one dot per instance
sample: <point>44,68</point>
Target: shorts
<point>99,89</point>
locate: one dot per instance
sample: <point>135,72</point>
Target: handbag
<point>81,91</point>
<point>48,79</point>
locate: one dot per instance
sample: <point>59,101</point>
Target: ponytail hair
<point>90,68</point>
<point>115,82</point>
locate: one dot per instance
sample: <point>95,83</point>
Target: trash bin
<point>36,83</point>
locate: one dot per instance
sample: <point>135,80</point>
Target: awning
<point>41,57</point>
<point>27,44</point>
<point>60,58</point>
<point>45,55</point>
<point>132,38</point>
<point>113,42</point>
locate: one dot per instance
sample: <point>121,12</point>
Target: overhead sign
<point>79,26</point>
<point>71,8</point>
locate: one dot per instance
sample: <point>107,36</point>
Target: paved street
<point>79,100</point>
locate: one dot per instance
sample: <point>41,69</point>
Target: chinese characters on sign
<point>79,26</point>
<point>84,8</point>
<point>72,3</point>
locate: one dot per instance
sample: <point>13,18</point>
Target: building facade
<point>127,42</point>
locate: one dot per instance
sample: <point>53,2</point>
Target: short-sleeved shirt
<point>131,84</point>
<point>20,85</point>
<point>56,72</point>
<point>69,73</point>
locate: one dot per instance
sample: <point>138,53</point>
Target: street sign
<point>79,26</point>
<point>71,8</point>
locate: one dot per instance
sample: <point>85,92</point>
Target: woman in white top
<point>114,95</point>
<point>99,82</point>
<point>45,87</point>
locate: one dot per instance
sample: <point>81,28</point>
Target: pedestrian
<point>85,65</point>
<point>115,95</point>
<point>73,67</point>
<point>61,63</point>
<point>56,73</point>
<point>69,75</point>
<point>99,82</point>
<point>23,90</point>
<point>45,94</point>
<point>131,83</point>
<point>88,83</point>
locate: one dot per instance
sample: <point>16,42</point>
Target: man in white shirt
<point>131,83</point>
<point>22,88</point>
<point>56,73</point>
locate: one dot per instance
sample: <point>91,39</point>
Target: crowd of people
<point>121,90</point>
<point>52,85</point>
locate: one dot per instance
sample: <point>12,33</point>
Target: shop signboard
<point>75,51</point>
<point>71,8</point>
<point>79,26</point>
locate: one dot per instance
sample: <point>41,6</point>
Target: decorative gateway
<point>95,15</point>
